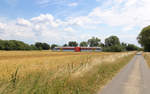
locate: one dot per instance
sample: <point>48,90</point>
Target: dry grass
<point>52,67</point>
<point>147,57</point>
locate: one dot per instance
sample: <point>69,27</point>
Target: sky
<point>60,21</point>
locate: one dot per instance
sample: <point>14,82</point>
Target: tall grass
<point>147,57</point>
<point>59,73</point>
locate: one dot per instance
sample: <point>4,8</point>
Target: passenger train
<point>78,49</point>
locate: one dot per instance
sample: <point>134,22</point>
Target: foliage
<point>112,44</point>
<point>72,43</point>
<point>13,45</point>
<point>112,41</point>
<point>144,38</point>
<point>53,46</point>
<point>19,45</point>
<point>114,48</point>
<point>131,47</point>
<point>94,42</point>
<point>42,46</point>
<point>83,44</point>
<point>65,45</point>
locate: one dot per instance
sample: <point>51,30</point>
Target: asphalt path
<point>134,78</point>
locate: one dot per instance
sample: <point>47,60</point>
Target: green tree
<point>114,48</point>
<point>112,41</point>
<point>112,44</point>
<point>73,43</point>
<point>42,46</point>
<point>15,45</point>
<point>144,38</point>
<point>2,46</point>
<point>83,44</point>
<point>38,45</point>
<point>65,45</point>
<point>132,47</point>
<point>53,46</point>
<point>33,47</point>
<point>94,42</point>
<point>19,45</point>
<point>45,46</point>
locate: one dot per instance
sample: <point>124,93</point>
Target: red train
<point>78,49</point>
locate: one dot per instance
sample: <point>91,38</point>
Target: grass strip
<point>147,58</point>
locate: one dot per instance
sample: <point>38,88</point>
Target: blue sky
<point>60,21</point>
<point>58,8</point>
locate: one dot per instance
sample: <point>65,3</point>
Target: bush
<point>115,48</point>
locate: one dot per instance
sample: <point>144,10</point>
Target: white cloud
<point>73,4</point>
<point>42,28</point>
<point>23,22</point>
<point>2,26</point>
<point>46,19</point>
<point>126,14</point>
<point>69,29</point>
<point>42,1</point>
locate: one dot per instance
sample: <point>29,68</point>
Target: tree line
<point>19,45</point>
<point>111,44</point>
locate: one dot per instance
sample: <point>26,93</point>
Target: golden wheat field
<point>35,61</point>
<point>21,66</point>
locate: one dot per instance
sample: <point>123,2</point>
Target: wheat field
<point>46,72</point>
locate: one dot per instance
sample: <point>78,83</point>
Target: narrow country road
<point>133,79</point>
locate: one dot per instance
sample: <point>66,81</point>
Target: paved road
<point>133,79</point>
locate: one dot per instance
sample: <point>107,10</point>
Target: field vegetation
<point>46,72</point>
<point>147,57</point>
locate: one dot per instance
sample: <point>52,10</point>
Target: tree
<point>53,46</point>
<point>144,38</point>
<point>73,43</point>
<point>102,45</point>
<point>94,42</point>
<point>33,47</point>
<point>45,46</point>
<point>42,46</point>
<point>38,45</point>
<point>124,45</point>
<point>83,44</point>
<point>19,45</point>
<point>114,48</point>
<point>112,41</point>
<point>15,45</point>
<point>65,45</point>
<point>112,44</point>
<point>2,47</point>
<point>131,47</point>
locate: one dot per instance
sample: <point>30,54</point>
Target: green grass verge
<point>89,83</point>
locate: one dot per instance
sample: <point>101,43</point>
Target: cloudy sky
<point>59,21</point>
